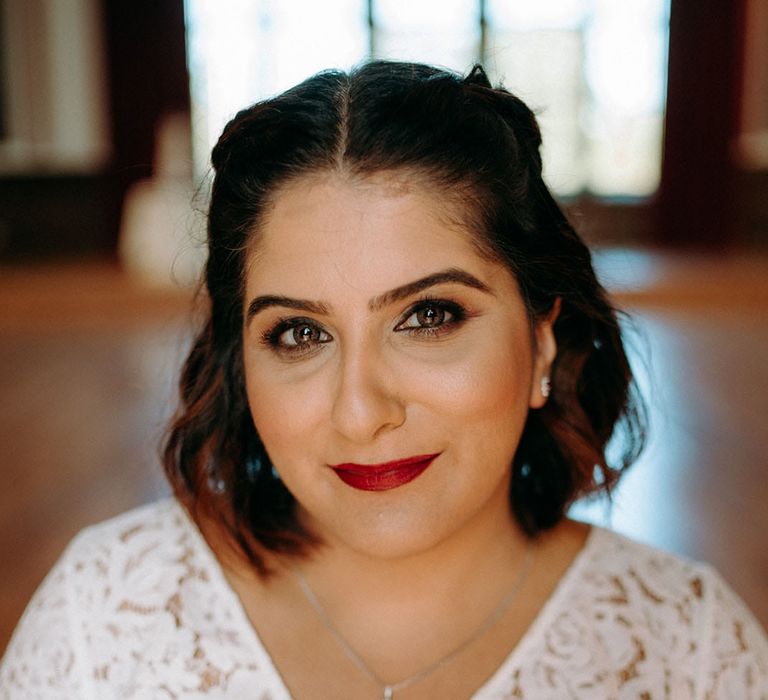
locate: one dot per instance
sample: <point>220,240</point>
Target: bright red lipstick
<point>383,477</point>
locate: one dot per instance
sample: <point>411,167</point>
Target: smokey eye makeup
<point>295,336</point>
<point>431,317</point>
<point>298,336</point>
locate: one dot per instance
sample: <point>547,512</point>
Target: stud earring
<point>546,387</point>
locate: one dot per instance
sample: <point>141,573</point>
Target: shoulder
<point>134,604</point>
<point>629,620</point>
<point>672,614</point>
<point>629,574</point>
<point>125,555</point>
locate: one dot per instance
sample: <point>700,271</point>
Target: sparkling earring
<point>546,387</point>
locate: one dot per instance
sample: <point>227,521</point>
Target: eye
<point>431,316</point>
<point>303,334</point>
<point>296,336</point>
<point>428,316</point>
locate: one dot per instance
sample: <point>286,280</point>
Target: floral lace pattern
<point>138,608</point>
<point>134,609</point>
<point>629,621</point>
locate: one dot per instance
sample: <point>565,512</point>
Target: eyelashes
<point>432,317</point>
<point>296,337</point>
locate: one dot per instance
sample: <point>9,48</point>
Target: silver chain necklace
<point>388,689</point>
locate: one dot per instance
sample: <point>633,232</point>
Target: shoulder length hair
<point>479,146</point>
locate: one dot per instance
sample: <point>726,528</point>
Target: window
<point>52,91</point>
<point>593,70</point>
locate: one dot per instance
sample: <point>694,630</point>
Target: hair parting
<point>478,147</point>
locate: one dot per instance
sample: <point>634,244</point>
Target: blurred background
<point>655,123</point>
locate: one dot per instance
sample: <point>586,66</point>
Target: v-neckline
<point>493,687</point>
<point>276,682</point>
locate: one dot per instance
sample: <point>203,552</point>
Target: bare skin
<point>404,633</point>
<point>351,357</point>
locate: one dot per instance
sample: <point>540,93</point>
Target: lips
<point>385,476</point>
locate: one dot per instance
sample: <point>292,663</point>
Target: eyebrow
<point>266,301</point>
<point>451,275</point>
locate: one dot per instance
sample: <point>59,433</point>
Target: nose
<point>366,402</point>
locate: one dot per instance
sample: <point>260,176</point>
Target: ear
<point>545,350</point>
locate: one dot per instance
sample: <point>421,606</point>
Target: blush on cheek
<point>275,422</point>
<point>287,419</point>
<point>486,385</point>
<point>272,415</point>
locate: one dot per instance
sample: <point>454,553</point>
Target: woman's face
<point>389,367</point>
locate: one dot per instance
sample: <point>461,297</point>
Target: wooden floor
<point>88,362</point>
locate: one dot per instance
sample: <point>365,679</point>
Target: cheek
<point>484,382</point>
<point>285,414</point>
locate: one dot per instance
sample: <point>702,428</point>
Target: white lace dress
<point>138,608</point>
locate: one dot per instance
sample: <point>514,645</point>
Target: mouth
<point>385,476</point>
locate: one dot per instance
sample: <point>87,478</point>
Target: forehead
<point>374,232</point>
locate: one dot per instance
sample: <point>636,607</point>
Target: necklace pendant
<point>388,692</point>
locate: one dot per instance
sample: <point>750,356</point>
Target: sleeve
<point>43,660</point>
<point>734,647</point>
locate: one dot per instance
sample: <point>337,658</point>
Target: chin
<point>384,534</point>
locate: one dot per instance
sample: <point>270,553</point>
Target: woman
<point>407,374</point>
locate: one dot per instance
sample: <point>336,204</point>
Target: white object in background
<point>161,235</point>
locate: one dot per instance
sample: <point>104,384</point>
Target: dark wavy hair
<point>479,146</point>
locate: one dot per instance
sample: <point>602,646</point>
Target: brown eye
<point>302,335</point>
<point>296,336</point>
<point>430,316</point>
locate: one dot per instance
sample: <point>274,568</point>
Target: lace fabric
<point>138,607</point>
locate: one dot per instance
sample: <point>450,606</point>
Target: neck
<point>467,563</point>
<point>400,616</point>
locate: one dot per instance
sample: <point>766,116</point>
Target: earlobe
<point>545,353</point>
